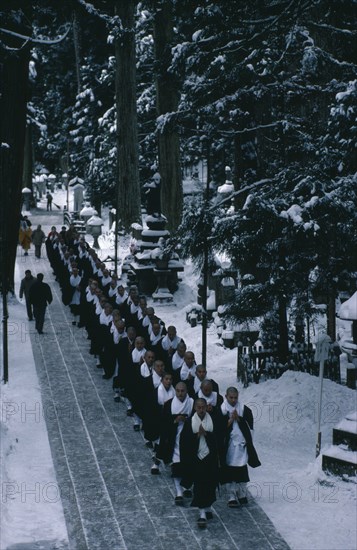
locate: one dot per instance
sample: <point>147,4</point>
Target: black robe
<point>191,386</point>
<point>204,473</point>
<point>152,411</point>
<point>167,434</point>
<point>123,349</point>
<point>108,353</point>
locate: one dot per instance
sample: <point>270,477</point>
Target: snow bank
<point>31,507</point>
<point>290,485</point>
<point>289,405</point>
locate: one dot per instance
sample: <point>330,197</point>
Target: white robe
<point>167,343</point>
<point>179,407</point>
<point>185,371</point>
<point>237,454</point>
<point>74,282</point>
<point>164,395</point>
<point>136,355</point>
<point>177,361</point>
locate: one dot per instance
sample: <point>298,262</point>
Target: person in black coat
<point>124,351</point>
<point>199,458</point>
<point>151,380</point>
<point>40,296</point>
<point>175,412</point>
<point>140,379</point>
<point>51,238</point>
<point>169,343</point>
<point>154,340</point>
<point>214,401</point>
<point>108,353</point>
<point>174,364</point>
<point>194,384</point>
<point>26,284</point>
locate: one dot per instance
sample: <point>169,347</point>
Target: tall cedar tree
<point>167,101</point>
<point>128,192</point>
<point>261,77</point>
<point>14,68</point>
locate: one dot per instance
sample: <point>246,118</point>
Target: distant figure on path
<point>26,284</point>
<point>49,201</point>
<point>28,223</point>
<point>38,238</point>
<point>25,233</point>
<point>40,296</point>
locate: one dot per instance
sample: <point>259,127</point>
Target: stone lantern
<point>348,312</point>
<point>78,191</point>
<point>42,181</point>
<point>35,190</point>
<point>51,182</point>
<point>65,180</point>
<point>26,193</point>
<point>95,224</point>
<point>87,212</point>
<point>227,188</point>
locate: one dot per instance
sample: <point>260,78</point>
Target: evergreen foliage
<point>266,87</point>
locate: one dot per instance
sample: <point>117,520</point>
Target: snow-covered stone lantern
<point>227,289</point>
<point>227,188</point>
<point>35,189</point>
<point>78,189</point>
<point>95,224</point>
<point>65,182</point>
<point>348,312</point>
<point>41,184</point>
<point>87,212</point>
<point>26,193</point>
<point>51,182</point>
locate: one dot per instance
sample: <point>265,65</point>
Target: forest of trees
<point>118,89</point>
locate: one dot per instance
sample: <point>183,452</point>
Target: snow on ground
<point>31,508</point>
<point>310,509</point>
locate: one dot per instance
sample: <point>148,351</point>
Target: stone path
<point>110,499</point>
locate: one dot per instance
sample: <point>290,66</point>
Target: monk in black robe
<point>199,457</point>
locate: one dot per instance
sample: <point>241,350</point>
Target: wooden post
<point>321,354</point>
<point>205,271</point>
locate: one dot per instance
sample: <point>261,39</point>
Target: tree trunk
<point>13,98</point>
<point>331,315</point>
<point>28,159</point>
<point>167,99</point>
<point>283,348</point>
<point>77,47</point>
<point>128,188</point>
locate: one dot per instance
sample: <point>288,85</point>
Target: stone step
<point>340,461</point>
<point>154,235</point>
<point>345,438</point>
<point>146,245</point>
<point>346,432</point>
